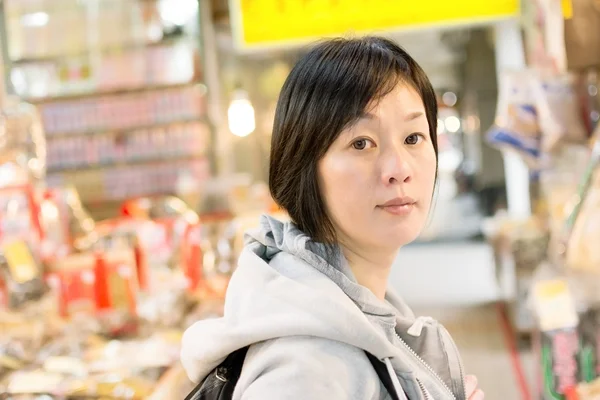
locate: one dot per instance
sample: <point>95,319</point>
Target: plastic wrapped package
<point>72,281</point>
<point>558,110</point>
<point>169,218</point>
<point>583,252</point>
<point>21,132</point>
<point>559,184</point>
<point>66,223</point>
<point>516,126</point>
<point>166,305</point>
<point>22,336</point>
<point>21,272</point>
<point>116,292</point>
<point>555,308</point>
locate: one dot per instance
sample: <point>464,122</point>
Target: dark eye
<point>413,139</point>
<point>360,144</point>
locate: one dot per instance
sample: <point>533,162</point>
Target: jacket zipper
<point>456,352</point>
<point>431,371</point>
<point>426,395</point>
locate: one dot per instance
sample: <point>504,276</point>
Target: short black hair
<point>328,89</point>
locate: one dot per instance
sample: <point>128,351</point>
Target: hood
<point>287,285</point>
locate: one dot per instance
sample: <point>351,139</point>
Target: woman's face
<point>377,178</point>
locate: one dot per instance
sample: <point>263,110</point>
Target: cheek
<point>343,184</point>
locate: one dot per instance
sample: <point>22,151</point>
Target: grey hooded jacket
<point>308,322</point>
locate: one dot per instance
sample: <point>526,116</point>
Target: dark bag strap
<point>233,367</point>
<point>384,375</point>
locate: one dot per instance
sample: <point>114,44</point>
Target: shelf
<point>120,164</point>
<point>57,7</point>
<point>113,92</point>
<point>104,50</point>
<point>124,131</point>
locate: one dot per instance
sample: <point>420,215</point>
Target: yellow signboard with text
<point>265,23</point>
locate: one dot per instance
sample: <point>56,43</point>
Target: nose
<point>396,167</point>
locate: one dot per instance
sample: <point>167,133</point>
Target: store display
<point>99,329</point>
<point>127,111</point>
<point>122,104</point>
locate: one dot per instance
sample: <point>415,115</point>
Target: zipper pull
<point>417,327</point>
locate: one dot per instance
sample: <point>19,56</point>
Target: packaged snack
<point>559,357</point>
<point>24,137</point>
<point>116,280</point>
<point>558,111</point>
<point>589,356</point>
<point>192,257</point>
<point>67,225</point>
<point>19,210</point>
<point>21,272</point>
<point>72,279</point>
<point>583,252</point>
<point>516,126</point>
<point>582,224</point>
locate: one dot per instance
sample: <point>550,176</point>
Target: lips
<point>401,206</point>
<point>399,201</point>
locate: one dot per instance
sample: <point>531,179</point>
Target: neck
<point>371,269</point>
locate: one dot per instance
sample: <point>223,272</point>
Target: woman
<point>354,164</point>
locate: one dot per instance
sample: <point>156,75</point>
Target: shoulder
<point>301,367</point>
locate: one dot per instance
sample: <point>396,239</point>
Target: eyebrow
<point>414,115</point>
<point>410,117</point>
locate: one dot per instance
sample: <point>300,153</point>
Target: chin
<point>397,239</point>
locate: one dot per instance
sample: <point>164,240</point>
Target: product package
<point>516,127</point>
<point>560,367</point>
<point>23,137</point>
<point>116,290</point>
<point>21,272</point>
<point>72,279</point>
<point>19,208</point>
<point>66,223</point>
<point>558,322</point>
<point>589,355</point>
<point>558,111</point>
<point>583,252</point>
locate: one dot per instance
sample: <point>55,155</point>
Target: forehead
<point>403,101</point>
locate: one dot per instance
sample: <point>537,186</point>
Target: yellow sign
<point>261,23</point>
<point>567,8</point>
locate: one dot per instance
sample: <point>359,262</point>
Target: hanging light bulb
<point>240,114</point>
